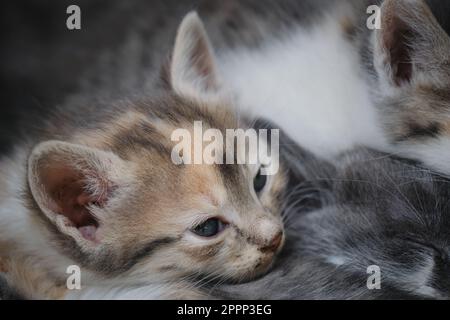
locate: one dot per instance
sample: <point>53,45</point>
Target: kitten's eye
<point>259,182</point>
<point>209,228</point>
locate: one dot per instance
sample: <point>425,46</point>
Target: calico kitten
<point>332,83</point>
<point>96,187</point>
<point>410,75</point>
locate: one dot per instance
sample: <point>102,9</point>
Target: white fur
<point>337,260</point>
<point>19,227</point>
<point>434,153</point>
<point>422,278</point>
<point>309,84</point>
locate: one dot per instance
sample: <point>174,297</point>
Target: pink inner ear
<point>67,189</point>
<point>73,202</point>
<point>89,233</point>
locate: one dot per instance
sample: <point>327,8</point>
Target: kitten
<point>332,83</point>
<point>96,187</point>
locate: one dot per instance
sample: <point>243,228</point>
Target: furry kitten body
<point>363,209</point>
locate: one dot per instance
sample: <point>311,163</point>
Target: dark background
<point>41,60</point>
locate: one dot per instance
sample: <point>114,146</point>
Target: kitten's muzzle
<point>274,244</point>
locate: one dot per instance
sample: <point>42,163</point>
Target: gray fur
<point>6,292</point>
<point>367,209</point>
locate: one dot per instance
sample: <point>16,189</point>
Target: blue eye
<point>259,182</point>
<point>209,228</point>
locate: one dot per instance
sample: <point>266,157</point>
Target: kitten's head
<point>412,64</point>
<point>115,201</point>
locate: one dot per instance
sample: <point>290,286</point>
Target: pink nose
<point>274,243</point>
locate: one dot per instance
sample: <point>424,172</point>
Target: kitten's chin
<point>263,264</point>
<point>261,268</point>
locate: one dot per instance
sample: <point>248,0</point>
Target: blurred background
<point>41,61</point>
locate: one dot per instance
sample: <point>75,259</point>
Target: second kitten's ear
<point>410,43</point>
<point>193,70</point>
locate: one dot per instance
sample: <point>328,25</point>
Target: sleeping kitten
<point>96,187</point>
<point>361,212</point>
<point>331,83</point>
<point>334,84</point>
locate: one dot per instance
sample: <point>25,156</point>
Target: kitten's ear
<point>410,42</point>
<point>193,70</point>
<point>71,184</point>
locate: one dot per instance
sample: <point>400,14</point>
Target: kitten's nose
<point>274,243</point>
